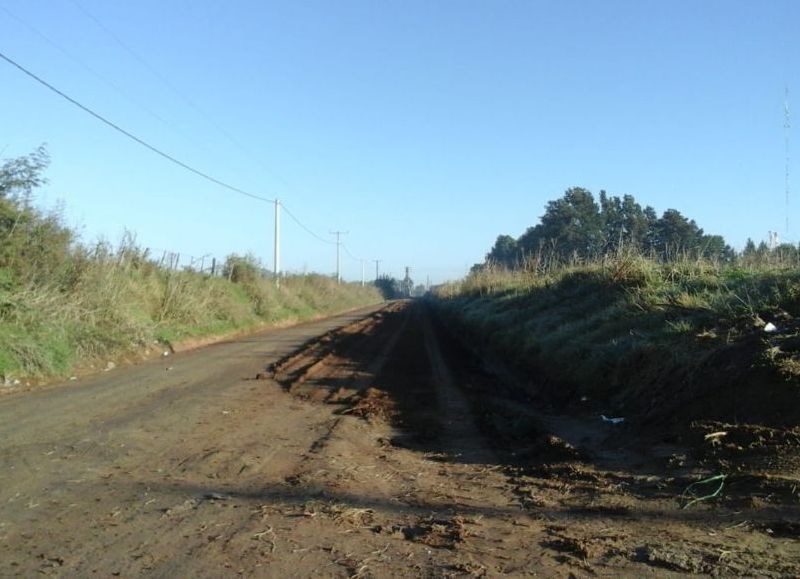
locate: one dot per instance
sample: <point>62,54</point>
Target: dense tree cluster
<point>578,227</point>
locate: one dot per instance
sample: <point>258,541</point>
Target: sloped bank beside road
<point>129,309</point>
<point>681,351</point>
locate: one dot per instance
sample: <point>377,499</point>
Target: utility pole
<point>276,269</point>
<point>338,234</point>
<point>377,263</point>
<point>363,261</point>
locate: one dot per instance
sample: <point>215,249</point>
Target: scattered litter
<point>770,328</point>
<point>166,353</point>
<point>216,497</point>
<point>714,437</point>
<point>8,381</point>
<point>689,492</point>
<point>168,368</point>
<point>268,532</point>
<point>612,420</point>
<point>73,378</point>
<point>110,366</point>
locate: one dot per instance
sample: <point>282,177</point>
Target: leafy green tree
<point>571,225</point>
<point>749,248</point>
<point>389,287</point>
<point>676,235</point>
<point>625,223</point>
<point>19,177</point>
<point>505,252</point>
<point>577,226</point>
<point>714,247</point>
<point>244,269</point>
<point>574,223</point>
<point>650,242</point>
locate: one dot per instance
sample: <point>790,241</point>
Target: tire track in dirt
<point>495,487</point>
<point>460,433</point>
<point>396,456</point>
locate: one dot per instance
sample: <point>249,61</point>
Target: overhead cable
<point>347,251</point>
<point>87,68</point>
<point>307,230</point>
<point>179,93</point>
<point>131,135</point>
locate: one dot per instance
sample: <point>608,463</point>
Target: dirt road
<point>380,449</point>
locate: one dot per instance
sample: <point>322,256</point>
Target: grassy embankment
<point>659,343</point>
<point>101,305</point>
<point>64,304</point>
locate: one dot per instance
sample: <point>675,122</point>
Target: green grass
<point>624,330</point>
<point>113,308</point>
<point>64,303</point>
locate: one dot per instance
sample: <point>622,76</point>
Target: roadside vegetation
<point>67,304</point>
<point>664,328</point>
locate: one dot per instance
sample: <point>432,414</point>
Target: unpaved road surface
<point>382,449</point>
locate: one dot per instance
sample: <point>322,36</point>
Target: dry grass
<point>107,303</point>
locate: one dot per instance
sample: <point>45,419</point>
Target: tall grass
<point>105,302</point>
<point>63,303</point>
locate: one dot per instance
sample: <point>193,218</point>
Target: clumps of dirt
<point>582,548</point>
<point>782,349</point>
<point>326,355</point>
<point>779,529</point>
<point>350,516</point>
<point>371,405</point>
<point>736,448</point>
<point>470,569</point>
<point>517,432</point>
<point>678,558</point>
<point>433,532</point>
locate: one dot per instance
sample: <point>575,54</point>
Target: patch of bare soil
<point>501,487</point>
<point>379,449</point>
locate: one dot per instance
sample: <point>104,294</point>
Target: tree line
<point>577,227</point>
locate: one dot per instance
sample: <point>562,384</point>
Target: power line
<point>86,67</point>
<point>307,230</point>
<point>180,94</point>
<point>347,251</point>
<point>131,135</point>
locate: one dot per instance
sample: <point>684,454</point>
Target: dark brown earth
<point>379,449</point>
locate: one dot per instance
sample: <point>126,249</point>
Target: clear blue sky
<point>424,128</point>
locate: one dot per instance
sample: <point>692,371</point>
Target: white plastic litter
<point>612,420</point>
<point>770,328</point>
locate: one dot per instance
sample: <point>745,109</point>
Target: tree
<point>571,225</point>
<point>389,287</point>
<point>676,235</point>
<point>749,248</point>
<point>20,176</point>
<point>577,226</point>
<point>714,247</point>
<point>243,269</point>
<point>505,252</point>
<point>34,244</point>
<point>625,223</point>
